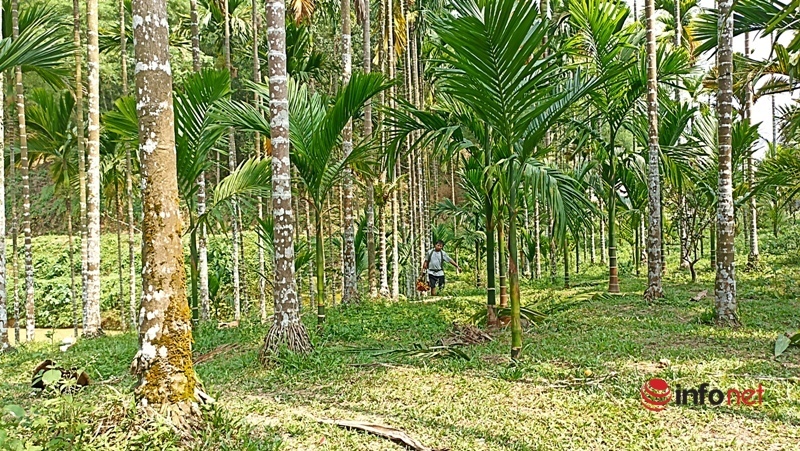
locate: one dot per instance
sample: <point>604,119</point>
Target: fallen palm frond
<point>527,315</point>
<point>418,350</point>
<point>210,355</point>
<point>386,432</point>
<point>465,334</point>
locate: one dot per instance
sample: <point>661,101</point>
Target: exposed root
<point>293,336</point>
<point>96,334</point>
<point>652,293</point>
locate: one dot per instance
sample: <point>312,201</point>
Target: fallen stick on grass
<point>386,432</point>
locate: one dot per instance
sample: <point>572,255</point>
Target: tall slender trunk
<point>163,364</point>
<point>565,252</point>
<point>752,210</point>
<point>319,265</point>
<point>122,307</point>
<point>395,240</point>
<point>593,251</point>
<point>552,254</point>
<point>262,264</point>
<point>73,294</point>
<point>491,294</point>
<point>613,275</point>
<point>527,267</point>
<point>76,18</point>
<point>92,327</point>
<point>4,342</point>
<point>14,228</point>
<point>513,276</point>
<point>30,313</point>
<point>725,284</point>
<point>235,266</point>
<point>132,301</point>
<point>349,293</point>
<point>602,241</point>
<point>537,231</point>
<point>383,244</point>
<point>712,245</point>
<point>394,170</point>
<point>371,270</point>
<point>654,288</point>
<point>286,326</point>
<point>502,260</point>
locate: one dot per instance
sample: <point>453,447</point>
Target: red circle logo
<point>655,395</point>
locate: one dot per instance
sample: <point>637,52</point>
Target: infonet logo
<point>656,395</point>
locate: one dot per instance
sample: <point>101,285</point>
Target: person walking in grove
<point>434,265</point>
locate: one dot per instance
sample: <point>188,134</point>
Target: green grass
<point>577,386</point>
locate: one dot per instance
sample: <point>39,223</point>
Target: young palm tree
<point>314,136</point>
<point>519,111</point>
<point>654,272</point>
<point>725,284</point>
<point>163,364</point>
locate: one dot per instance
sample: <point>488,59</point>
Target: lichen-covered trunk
<point>76,19</point>
<point>565,254</point>
<point>262,264</point>
<point>725,284</point>
<point>654,288</point>
<point>4,342</point>
<point>527,224</point>
<point>14,232</point>
<point>92,327</point>
<point>384,260</point>
<point>592,244</point>
<point>128,176</point>
<point>349,293</point>
<point>30,310</point>
<point>286,329</point>
<point>395,244</point>
<point>752,209</point>
<point>122,306</point>
<point>371,269</point>
<point>73,294</point>
<point>235,270</point>
<point>537,231</point>
<point>602,241</point>
<point>163,364</point>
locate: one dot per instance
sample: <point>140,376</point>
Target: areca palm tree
<point>315,134</point>
<point>612,52</point>
<point>488,41</point>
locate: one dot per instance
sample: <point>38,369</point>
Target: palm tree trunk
<point>566,263</point>
<point>712,245</point>
<point>753,254</point>
<point>14,229</point>
<point>122,321</point>
<point>128,175</point>
<point>371,269</point>
<point>30,313</point>
<point>537,230</point>
<point>286,327</point>
<point>602,241</point>
<point>593,252</point>
<point>502,260</point>
<point>654,270</point>
<point>349,293</point>
<point>76,17</point>
<point>163,364</point>
<point>92,327</point>
<point>384,260</point>
<point>4,342</point>
<point>395,241</point>
<point>553,256</point>
<point>491,301</point>
<point>262,265</point>
<point>73,294</point>
<point>613,275</point>
<point>513,273</point>
<point>319,264</point>
<point>527,224</point>
<point>725,284</point>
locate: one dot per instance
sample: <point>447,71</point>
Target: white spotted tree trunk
<point>654,274</point>
<point>92,322</point>
<point>4,344</point>
<point>30,309</point>
<point>286,329</point>
<point>350,293</point>
<point>725,285</point>
<point>163,364</point>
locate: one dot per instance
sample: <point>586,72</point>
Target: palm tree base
<point>94,334</point>
<point>653,292</point>
<point>293,336</point>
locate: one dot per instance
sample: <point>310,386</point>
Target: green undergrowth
<point>576,386</point>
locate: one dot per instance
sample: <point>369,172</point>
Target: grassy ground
<point>577,386</point>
